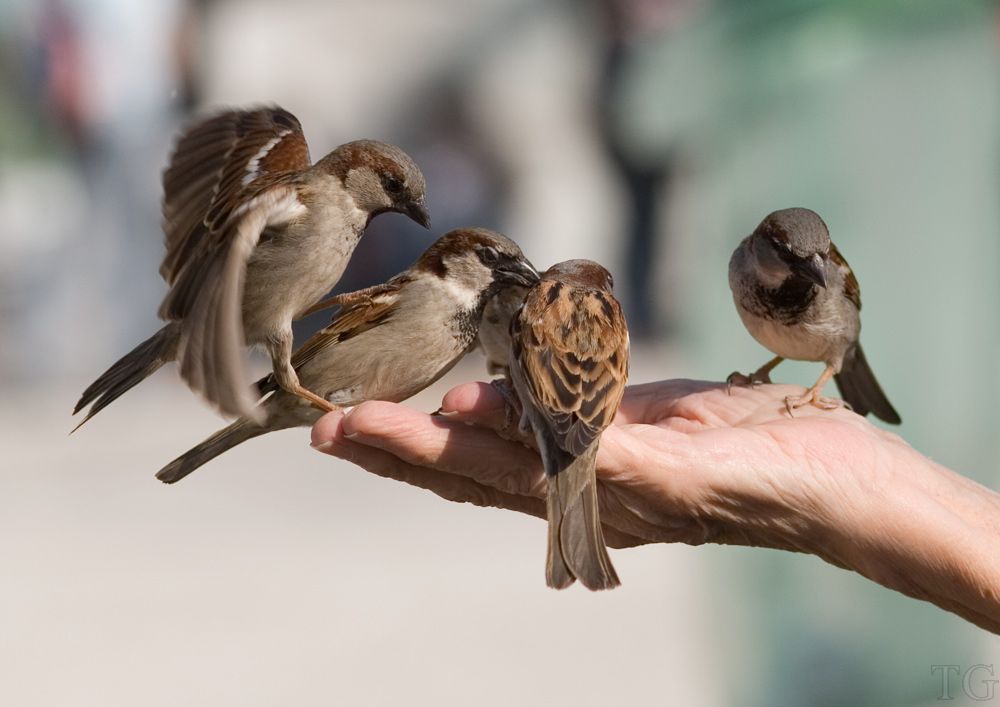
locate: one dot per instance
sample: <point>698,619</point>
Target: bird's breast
<point>818,332</point>
<point>295,266</point>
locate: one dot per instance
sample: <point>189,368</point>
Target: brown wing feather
<point>572,347</point>
<point>851,287</point>
<point>219,164</point>
<point>360,311</point>
<point>346,299</point>
<point>207,299</point>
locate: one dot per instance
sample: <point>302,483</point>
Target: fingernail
<point>323,446</point>
<point>440,412</point>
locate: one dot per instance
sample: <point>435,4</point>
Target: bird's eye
<point>611,281</point>
<point>489,255</point>
<point>392,185</point>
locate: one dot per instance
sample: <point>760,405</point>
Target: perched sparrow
<point>494,332</point>
<point>568,366</point>
<point>255,234</point>
<point>798,297</point>
<point>387,342</point>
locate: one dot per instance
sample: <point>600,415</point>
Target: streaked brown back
<point>571,344</point>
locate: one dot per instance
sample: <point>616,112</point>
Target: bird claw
<point>738,379</point>
<point>512,406</point>
<point>815,399</point>
<point>515,427</point>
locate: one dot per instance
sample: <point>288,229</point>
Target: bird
<point>798,297</point>
<point>568,368</point>
<point>494,332</point>
<point>255,233</point>
<point>386,342</point>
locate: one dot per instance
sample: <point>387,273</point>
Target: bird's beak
<point>418,212</point>
<point>812,269</point>
<point>520,271</point>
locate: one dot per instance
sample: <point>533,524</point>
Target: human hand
<point>686,461</point>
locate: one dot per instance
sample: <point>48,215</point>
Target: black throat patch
<point>785,304</point>
<point>465,324</point>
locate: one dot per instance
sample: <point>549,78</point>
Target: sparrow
<point>494,332</point>
<point>255,233</point>
<point>386,342</point>
<point>798,297</point>
<point>568,368</point>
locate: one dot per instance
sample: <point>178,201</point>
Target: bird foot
<point>812,397</point>
<point>512,406</point>
<point>738,379</point>
<point>515,425</point>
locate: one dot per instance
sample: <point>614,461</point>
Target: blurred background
<point>651,135</point>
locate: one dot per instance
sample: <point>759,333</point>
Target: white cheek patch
<point>465,296</point>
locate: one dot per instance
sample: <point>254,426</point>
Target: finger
<point>439,443</point>
<point>450,487</point>
<point>476,403</point>
<point>327,429</point>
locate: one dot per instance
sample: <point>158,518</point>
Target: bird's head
<point>792,242</point>
<point>478,262</point>
<point>380,177</point>
<point>585,274</point>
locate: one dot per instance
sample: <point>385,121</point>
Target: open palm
<point>684,461</point>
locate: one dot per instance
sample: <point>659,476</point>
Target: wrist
<point>924,531</point>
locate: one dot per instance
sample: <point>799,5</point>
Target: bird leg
<point>761,375</point>
<point>519,431</point>
<point>321,403</point>
<point>511,408</point>
<point>285,375</point>
<point>813,395</point>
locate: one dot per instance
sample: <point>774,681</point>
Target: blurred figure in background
<point>105,82</point>
<point>644,173</point>
<point>466,186</point>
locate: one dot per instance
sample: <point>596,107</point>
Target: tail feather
<point>130,370</point>
<point>859,388</point>
<point>222,441</point>
<point>576,547</point>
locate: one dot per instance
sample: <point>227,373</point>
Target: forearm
<point>928,533</point>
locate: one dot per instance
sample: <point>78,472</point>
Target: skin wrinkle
<point>938,579</point>
<point>624,491</point>
<point>449,486</point>
<point>904,552</point>
<point>366,423</point>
